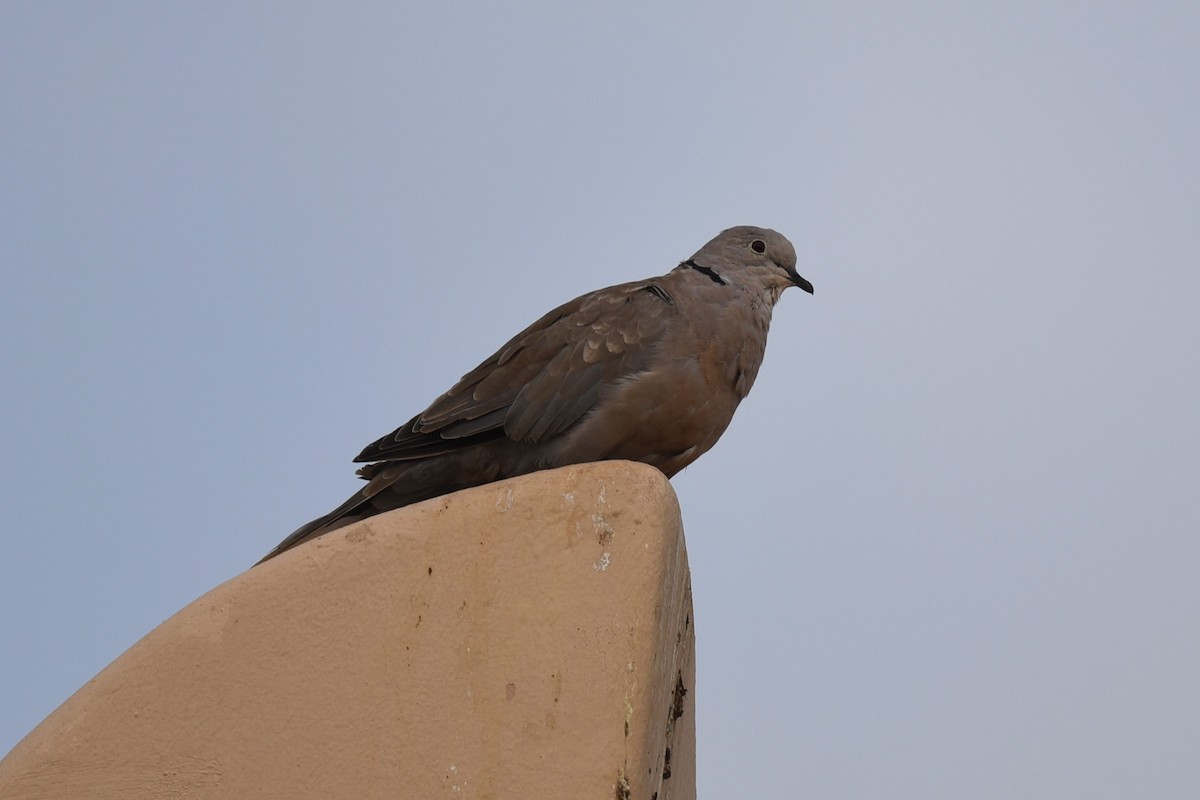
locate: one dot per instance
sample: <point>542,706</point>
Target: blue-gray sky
<point>949,546</point>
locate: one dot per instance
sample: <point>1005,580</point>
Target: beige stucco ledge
<point>527,639</point>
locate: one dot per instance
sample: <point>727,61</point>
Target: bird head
<point>757,259</point>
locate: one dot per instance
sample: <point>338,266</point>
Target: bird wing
<point>542,380</point>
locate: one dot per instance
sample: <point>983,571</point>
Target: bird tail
<point>356,508</point>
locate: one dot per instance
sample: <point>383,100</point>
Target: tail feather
<point>340,517</point>
<point>392,485</point>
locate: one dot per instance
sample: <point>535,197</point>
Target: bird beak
<point>803,284</point>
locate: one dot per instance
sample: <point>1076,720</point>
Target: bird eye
<point>758,246</point>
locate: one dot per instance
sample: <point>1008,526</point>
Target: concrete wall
<point>529,639</point>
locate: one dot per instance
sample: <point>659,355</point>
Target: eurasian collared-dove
<point>648,371</point>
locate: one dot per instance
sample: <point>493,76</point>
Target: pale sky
<point>949,546</point>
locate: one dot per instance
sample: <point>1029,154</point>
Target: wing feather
<point>542,380</point>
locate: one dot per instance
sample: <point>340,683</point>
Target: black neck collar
<point>691,264</point>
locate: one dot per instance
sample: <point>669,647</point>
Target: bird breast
<point>670,415</point>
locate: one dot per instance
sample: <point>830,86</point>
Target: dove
<point>648,371</point>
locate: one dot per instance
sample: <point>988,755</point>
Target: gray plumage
<point>648,371</point>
